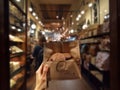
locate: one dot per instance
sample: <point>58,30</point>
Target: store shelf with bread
<point>95,52</point>
<point>17,41</point>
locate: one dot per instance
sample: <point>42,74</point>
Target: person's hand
<point>41,77</point>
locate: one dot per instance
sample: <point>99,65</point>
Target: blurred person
<point>38,51</point>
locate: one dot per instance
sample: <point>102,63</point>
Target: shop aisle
<point>81,84</point>
<point>31,82</point>
<point>69,85</point>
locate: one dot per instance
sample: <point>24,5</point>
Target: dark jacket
<point>38,55</point>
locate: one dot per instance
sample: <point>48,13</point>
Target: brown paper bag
<point>64,70</point>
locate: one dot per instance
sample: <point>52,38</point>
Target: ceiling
<point>53,12</point>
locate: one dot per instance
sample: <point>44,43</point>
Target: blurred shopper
<point>38,51</point>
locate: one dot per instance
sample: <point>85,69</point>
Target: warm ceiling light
<point>33,26</point>
<point>64,22</point>
<point>71,15</point>
<point>34,14</point>
<point>13,27</point>
<point>30,9</point>
<point>84,26</point>
<point>71,31</point>
<point>62,18</point>
<point>19,29</point>
<point>43,33</point>
<point>63,28</point>
<point>32,31</point>
<point>39,22</point>
<point>105,17</point>
<point>72,23</point>
<point>79,16</point>
<point>36,17</point>
<point>82,12</point>
<point>42,24</point>
<point>24,24</point>
<point>18,0</point>
<point>57,17</point>
<point>105,11</point>
<point>77,19</point>
<point>90,5</point>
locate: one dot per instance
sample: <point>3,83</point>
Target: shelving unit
<point>95,47</point>
<point>17,40</point>
<point>16,71</point>
<point>16,55</point>
<point>96,36</point>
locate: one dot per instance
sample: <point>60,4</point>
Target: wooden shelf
<point>17,26</point>
<point>15,17</point>
<point>14,3</point>
<point>93,67</point>
<point>101,80</point>
<point>16,55</point>
<point>17,71</point>
<point>90,43</point>
<point>105,51</point>
<point>18,84</point>
<point>97,36</point>
<point>15,39</point>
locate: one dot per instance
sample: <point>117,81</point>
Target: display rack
<point>17,40</point>
<point>91,40</point>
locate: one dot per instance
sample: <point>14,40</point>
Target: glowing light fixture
<point>18,0</point>
<point>34,14</point>
<point>84,26</point>
<point>24,24</point>
<point>33,26</point>
<point>57,17</point>
<point>71,15</point>
<point>36,17</point>
<point>62,18</point>
<point>77,19</point>
<point>32,31</point>
<point>72,23</point>
<point>30,9</point>
<point>105,17</point>
<point>90,5</point>
<point>79,16</point>
<point>19,29</point>
<point>105,11</point>
<point>71,31</point>
<point>83,12</point>
<point>13,27</point>
<point>43,33</point>
<point>40,22</point>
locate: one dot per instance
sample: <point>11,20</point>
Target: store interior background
<point>65,20</point>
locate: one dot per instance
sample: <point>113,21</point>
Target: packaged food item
<point>102,60</point>
<point>105,43</point>
<point>12,83</point>
<point>93,49</point>
<point>14,65</point>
